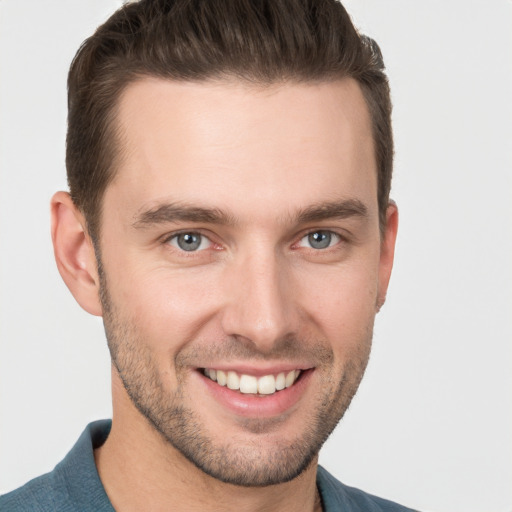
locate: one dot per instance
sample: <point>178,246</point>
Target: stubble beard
<point>243,464</point>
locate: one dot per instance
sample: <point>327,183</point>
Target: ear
<point>74,253</point>
<point>387,252</point>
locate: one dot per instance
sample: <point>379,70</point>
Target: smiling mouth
<point>249,384</point>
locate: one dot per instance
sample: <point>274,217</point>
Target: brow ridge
<point>176,212</point>
<point>343,209</point>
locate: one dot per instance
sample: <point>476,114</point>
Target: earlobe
<point>74,253</point>
<point>387,253</point>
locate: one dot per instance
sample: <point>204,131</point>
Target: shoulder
<point>42,494</point>
<point>74,484</point>
<point>338,496</point>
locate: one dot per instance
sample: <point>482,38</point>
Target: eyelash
<point>331,233</point>
<point>174,236</point>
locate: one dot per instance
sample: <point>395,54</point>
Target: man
<point>229,166</point>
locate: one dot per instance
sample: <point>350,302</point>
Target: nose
<point>259,304</point>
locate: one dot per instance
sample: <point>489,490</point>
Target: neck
<point>140,470</point>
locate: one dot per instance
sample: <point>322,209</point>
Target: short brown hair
<point>260,41</point>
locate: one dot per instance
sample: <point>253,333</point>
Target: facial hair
<point>226,458</point>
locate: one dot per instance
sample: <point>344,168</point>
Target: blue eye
<point>190,241</point>
<point>320,239</point>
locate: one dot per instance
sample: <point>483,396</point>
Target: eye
<point>320,239</point>
<point>190,241</point>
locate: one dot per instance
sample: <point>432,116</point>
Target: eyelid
<point>168,238</point>
<point>336,234</point>
<point>193,231</point>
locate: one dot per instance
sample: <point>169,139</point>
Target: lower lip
<point>261,406</point>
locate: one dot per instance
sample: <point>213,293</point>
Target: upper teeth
<point>265,385</point>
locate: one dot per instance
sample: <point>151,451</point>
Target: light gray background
<point>432,423</point>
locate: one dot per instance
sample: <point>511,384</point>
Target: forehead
<point>230,144</point>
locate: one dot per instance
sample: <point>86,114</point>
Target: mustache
<point>237,348</point>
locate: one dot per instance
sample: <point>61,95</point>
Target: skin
<point>256,296</point>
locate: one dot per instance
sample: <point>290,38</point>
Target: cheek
<point>341,300</point>
<point>167,308</point>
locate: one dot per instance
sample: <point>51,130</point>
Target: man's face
<point>242,268</point>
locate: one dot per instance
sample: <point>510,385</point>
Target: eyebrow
<point>175,212</point>
<point>172,212</point>
<point>333,210</point>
